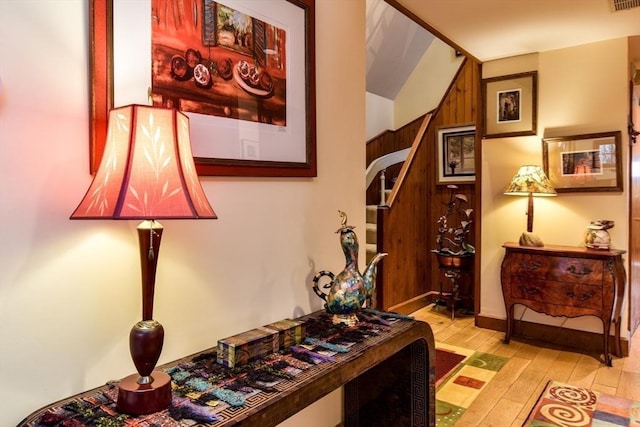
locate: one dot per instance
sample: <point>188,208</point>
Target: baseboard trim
<point>564,337</point>
<point>414,304</point>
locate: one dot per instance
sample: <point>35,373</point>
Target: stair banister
<point>380,165</point>
<point>384,162</point>
<point>383,187</point>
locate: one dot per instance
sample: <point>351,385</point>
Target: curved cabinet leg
<point>606,330</point>
<point>617,344</point>
<point>507,336</point>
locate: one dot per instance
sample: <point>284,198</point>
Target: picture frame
<point>456,154</point>
<point>274,150</point>
<point>510,105</point>
<point>584,163</point>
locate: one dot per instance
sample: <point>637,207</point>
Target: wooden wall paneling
<point>410,224</point>
<point>634,188</point>
<point>477,115</point>
<point>460,107</point>
<point>404,237</point>
<point>387,142</point>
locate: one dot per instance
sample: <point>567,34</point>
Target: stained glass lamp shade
<point>530,181</point>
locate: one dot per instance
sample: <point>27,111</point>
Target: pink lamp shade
<point>147,169</point>
<point>147,172</point>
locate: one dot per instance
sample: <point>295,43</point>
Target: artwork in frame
<point>456,154</point>
<point>244,73</point>
<point>583,163</point>
<point>510,105</point>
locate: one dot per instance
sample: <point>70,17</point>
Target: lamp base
<point>136,399</point>
<point>529,239</point>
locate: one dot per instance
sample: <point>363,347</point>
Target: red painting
<point>211,59</point>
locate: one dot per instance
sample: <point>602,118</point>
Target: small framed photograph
<point>510,105</point>
<point>456,154</point>
<point>583,163</point>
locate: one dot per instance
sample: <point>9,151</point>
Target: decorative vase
<point>597,236</point>
<point>348,291</point>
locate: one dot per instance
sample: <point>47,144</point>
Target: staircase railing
<point>380,165</point>
<point>411,153</point>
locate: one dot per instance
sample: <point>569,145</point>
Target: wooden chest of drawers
<point>565,281</point>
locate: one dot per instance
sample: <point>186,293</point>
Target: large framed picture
<point>510,105</point>
<point>243,71</point>
<point>583,163</point>
<point>456,154</point>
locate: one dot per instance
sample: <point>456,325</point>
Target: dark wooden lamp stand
<point>147,391</point>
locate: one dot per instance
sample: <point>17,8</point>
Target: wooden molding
<point>546,334</point>
<point>542,334</point>
<point>414,304</point>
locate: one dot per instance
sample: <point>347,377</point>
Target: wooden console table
<point>565,281</point>
<point>399,363</point>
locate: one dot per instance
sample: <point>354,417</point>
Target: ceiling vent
<point>625,4</point>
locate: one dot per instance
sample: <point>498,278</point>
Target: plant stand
<point>453,266</point>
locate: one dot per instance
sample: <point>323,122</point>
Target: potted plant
<point>452,240</point>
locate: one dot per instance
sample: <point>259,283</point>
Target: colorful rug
<point>446,362</point>
<point>464,382</point>
<point>566,405</point>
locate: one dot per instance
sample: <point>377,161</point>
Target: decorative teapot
<point>349,291</point>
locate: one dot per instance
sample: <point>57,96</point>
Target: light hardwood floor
<point>510,395</point>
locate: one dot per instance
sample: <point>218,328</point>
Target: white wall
<point>581,90</point>
<point>427,85</point>
<point>69,290</point>
<point>379,115</point>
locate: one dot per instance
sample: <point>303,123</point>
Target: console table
<point>398,362</point>
<point>565,281</point>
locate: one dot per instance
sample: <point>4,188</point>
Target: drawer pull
<point>585,271</point>
<point>532,290</point>
<point>531,266</point>
<point>585,296</point>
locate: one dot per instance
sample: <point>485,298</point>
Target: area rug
<point>566,405</point>
<point>446,362</point>
<point>462,384</point>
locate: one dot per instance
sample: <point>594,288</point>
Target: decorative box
<point>246,347</point>
<point>290,332</point>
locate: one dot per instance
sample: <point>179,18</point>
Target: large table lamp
<point>147,173</point>
<point>530,181</point>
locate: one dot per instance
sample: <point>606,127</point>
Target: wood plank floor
<point>508,398</point>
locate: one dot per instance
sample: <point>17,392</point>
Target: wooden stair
<point>371,241</point>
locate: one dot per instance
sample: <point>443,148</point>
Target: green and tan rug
<point>461,386</point>
<point>567,405</point>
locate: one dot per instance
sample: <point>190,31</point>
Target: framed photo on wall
<point>582,163</point>
<point>456,154</point>
<point>510,105</point>
<point>244,73</point>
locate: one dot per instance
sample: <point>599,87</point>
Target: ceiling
<point>395,44</point>
<point>493,29</point>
